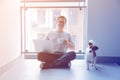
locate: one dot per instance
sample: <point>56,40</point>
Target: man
<point>61,42</point>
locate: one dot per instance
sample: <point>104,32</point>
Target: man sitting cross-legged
<point>61,42</point>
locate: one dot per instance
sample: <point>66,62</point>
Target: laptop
<point>43,46</point>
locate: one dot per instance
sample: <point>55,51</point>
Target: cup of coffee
<point>60,40</point>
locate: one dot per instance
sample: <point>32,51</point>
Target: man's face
<point>61,23</point>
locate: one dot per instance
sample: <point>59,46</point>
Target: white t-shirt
<point>57,39</point>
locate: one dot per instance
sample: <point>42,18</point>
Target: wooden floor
<point>28,69</point>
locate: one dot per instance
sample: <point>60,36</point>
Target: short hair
<point>62,17</point>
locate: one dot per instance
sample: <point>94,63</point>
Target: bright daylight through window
<point>38,18</point>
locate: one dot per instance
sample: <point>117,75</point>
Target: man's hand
<point>65,42</point>
<point>69,44</point>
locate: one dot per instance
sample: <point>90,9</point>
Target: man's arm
<point>69,44</point>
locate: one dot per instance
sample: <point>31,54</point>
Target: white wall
<point>9,30</point>
<point>104,26</point>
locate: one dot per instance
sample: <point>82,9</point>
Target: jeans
<point>57,58</point>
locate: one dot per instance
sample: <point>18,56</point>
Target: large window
<point>38,20</point>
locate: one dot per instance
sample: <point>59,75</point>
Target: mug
<point>60,40</point>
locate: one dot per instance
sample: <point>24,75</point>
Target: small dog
<point>90,55</point>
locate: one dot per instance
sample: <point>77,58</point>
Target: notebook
<point>43,46</point>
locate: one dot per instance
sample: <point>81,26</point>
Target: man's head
<point>61,21</point>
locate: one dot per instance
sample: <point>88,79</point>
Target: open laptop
<point>43,46</point>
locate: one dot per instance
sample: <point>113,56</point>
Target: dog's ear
<point>95,48</point>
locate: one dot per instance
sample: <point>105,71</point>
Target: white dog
<point>90,55</point>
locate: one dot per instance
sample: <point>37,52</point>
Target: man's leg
<point>47,58</point>
<point>65,59</point>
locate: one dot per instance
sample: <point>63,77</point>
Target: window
<point>38,20</point>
